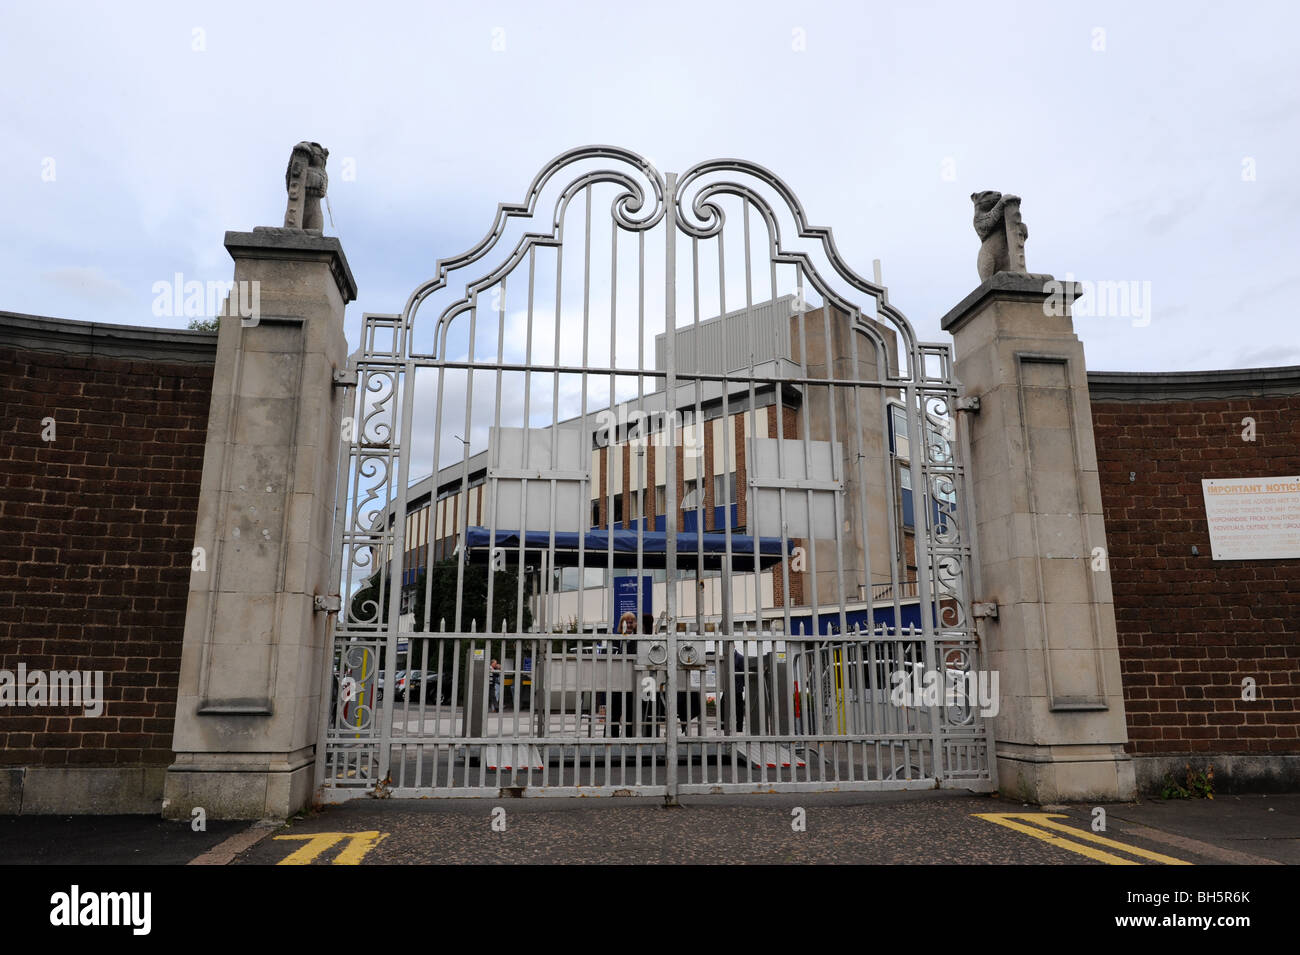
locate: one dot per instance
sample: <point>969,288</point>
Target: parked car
<point>414,684</point>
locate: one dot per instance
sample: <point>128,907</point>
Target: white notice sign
<point>1253,518</point>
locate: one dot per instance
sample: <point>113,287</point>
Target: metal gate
<point>649,493</point>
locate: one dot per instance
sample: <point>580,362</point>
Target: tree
<point>505,589</point>
<point>204,324</point>
<point>442,606</point>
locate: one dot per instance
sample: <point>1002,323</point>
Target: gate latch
<point>327,603</point>
<point>969,403</point>
<point>989,609</point>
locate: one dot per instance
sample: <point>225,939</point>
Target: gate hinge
<point>989,609</point>
<point>969,403</point>
<point>345,378</point>
<point>327,603</point>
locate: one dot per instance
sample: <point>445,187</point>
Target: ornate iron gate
<point>648,492</point>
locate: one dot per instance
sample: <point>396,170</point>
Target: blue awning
<point>597,544</point>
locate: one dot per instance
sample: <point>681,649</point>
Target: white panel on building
<point>796,477</point>
<point>524,458</point>
<point>615,469</point>
<point>733,341</point>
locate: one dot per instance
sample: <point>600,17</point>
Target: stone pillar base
<point>239,786</point>
<point>1070,773</point>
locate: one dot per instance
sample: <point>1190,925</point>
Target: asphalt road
<point>922,828</point>
<point>888,828</point>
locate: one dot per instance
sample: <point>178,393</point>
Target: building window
<point>661,503</point>
<point>724,489</point>
<point>905,494</point>
<point>618,509</point>
<point>692,493</point>
<point>898,432</point>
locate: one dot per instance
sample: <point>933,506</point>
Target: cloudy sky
<point>1153,144</point>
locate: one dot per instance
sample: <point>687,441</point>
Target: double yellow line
<point>316,843</point>
<point>1043,826</point>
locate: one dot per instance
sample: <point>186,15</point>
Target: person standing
<point>494,686</point>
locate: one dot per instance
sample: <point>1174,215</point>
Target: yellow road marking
<point>1018,821</point>
<point>359,843</point>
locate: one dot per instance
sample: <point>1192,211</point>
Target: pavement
<point>916,828</point>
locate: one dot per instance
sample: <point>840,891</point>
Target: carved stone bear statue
<point>1002,233</point>
<point>306,182</point>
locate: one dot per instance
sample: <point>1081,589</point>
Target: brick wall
<point>1191,628</point>
<point>96,530</point>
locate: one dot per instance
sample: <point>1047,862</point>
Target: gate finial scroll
<point>306,182</point>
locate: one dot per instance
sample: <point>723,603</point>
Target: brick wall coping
<point>38,333</point>
<point>1190,385</point>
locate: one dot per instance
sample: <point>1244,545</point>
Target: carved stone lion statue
<point>1002,233</point>
<point>306,182</point>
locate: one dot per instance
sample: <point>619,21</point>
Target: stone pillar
<point>1060,730</point>
<point>247,709</point>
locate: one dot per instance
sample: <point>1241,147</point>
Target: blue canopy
<point>597,544</point>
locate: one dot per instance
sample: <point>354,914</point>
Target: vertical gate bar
<point>859,466</point>
<point>825,664</point>
<point>808,389</point>
<point>729,730</point>
<point>781,354</point>
<point>478,695</point>
<point>696,431</point>
<point>349,455</point>
<point>976,587</point>
<point>546,561</point>
<point>424,693</point>
<point>454,752</point>
<point>874,719</point>
<point>491,649</point>
<point>584,435</point>
<point>836,469</point>
<point>632,702</point>
<point>437,709</point>
<point>627,501</point>
<point>861,722</point>
<point>612,447</point>
<point>780,327</point>
<point>894,494</point>
<point>609,694</point>
<point>758,580</point>
<point>462,497</point>
<point>494,458</point>
<point>670,544</point>
<point>754,578</point>
<point>732,498</point>
<point>424,699</point>
<point>438,408</point>
<point>527,423</point>
<point>925,558</point>
<point>398,557</point>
